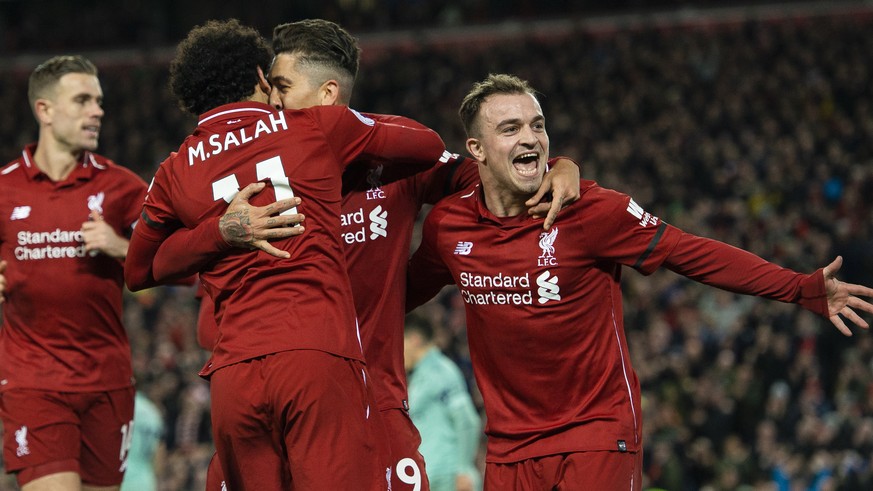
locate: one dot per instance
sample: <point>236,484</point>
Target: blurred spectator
<point>145,460</point>
<point>441,408</point>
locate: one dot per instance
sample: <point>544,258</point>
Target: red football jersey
<point>62,328</point>
<point>544,316</point>
<point>266,304</point>
<point>544,311</point>
<point>376,229</point>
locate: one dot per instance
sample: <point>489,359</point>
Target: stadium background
<point>750,123</point>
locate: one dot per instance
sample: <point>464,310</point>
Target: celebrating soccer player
<point>66,381</point>
<point>316,63</point>
<point>291,400</point>
<point>544,308</point>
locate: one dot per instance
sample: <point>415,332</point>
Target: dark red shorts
<point>214,475</point>
<point>400,441</point>
<point>83,432</point>
<point>579,471</point>
<point>301,417</point>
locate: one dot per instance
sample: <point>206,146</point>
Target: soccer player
<point>290,396</point>
<point>147,449</point>
<point>66,381</point>
<point>316,63</point>
<point>544,308</point>
<point>442,409</point>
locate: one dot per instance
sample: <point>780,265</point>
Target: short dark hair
<point>217,64</point>
<point>495,83</point>
<point>420,324</point>
<point>322,44</point>
<point>45,76</point>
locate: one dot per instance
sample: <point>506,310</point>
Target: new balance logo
<point>548,288</point>
<point>463,248</point>
<point>645,218</point>
<point>20,213</point>
<point>446,156</point>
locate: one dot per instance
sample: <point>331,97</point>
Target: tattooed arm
<point>187,251</point>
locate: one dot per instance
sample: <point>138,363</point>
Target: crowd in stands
<point>26,26</point>
<point>758,134</point>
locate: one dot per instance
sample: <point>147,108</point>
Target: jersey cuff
<point>813,295</point>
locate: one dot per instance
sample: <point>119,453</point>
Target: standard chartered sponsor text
<point>72,241</point>
<point>500,281</point>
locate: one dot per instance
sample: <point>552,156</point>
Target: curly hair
<point>217,64</point>
<point>499,83</point>
<point>324,47</point>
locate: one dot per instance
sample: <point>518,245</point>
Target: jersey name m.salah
<point>62,327</point>
<point>265,304</point>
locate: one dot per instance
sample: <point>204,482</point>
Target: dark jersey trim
<point>448,189</point>
<point>654,242</point>
<point>153,224</point>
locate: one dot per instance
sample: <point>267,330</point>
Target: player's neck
<point>55,160</point>
<point>502,202</point>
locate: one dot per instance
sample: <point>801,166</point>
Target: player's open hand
<point>843,299</point>
<point>563,182</point>
<point>252,227</point>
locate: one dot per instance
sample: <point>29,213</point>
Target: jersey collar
<point>228,112</point>
<point>83,171</point>
<point>485,215</point>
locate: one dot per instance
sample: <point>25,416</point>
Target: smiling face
<point>73,112</point>
<point>512,146</point>
<point>294,85</point>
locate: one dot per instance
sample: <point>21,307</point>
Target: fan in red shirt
<point>66,381</point>
<point>544,308</point>
<point>291,400</point>
<point>379,209</point>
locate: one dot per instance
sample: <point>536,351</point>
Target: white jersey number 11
<point>227,188</point>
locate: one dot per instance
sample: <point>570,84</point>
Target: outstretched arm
<point>721,265</point>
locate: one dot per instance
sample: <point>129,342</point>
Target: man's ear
<point>42,109</point>
<point>329,93</point>
<point>262,82</point>
<point>474,146</point>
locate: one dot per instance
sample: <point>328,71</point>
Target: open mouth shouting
<point>526,164</point>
